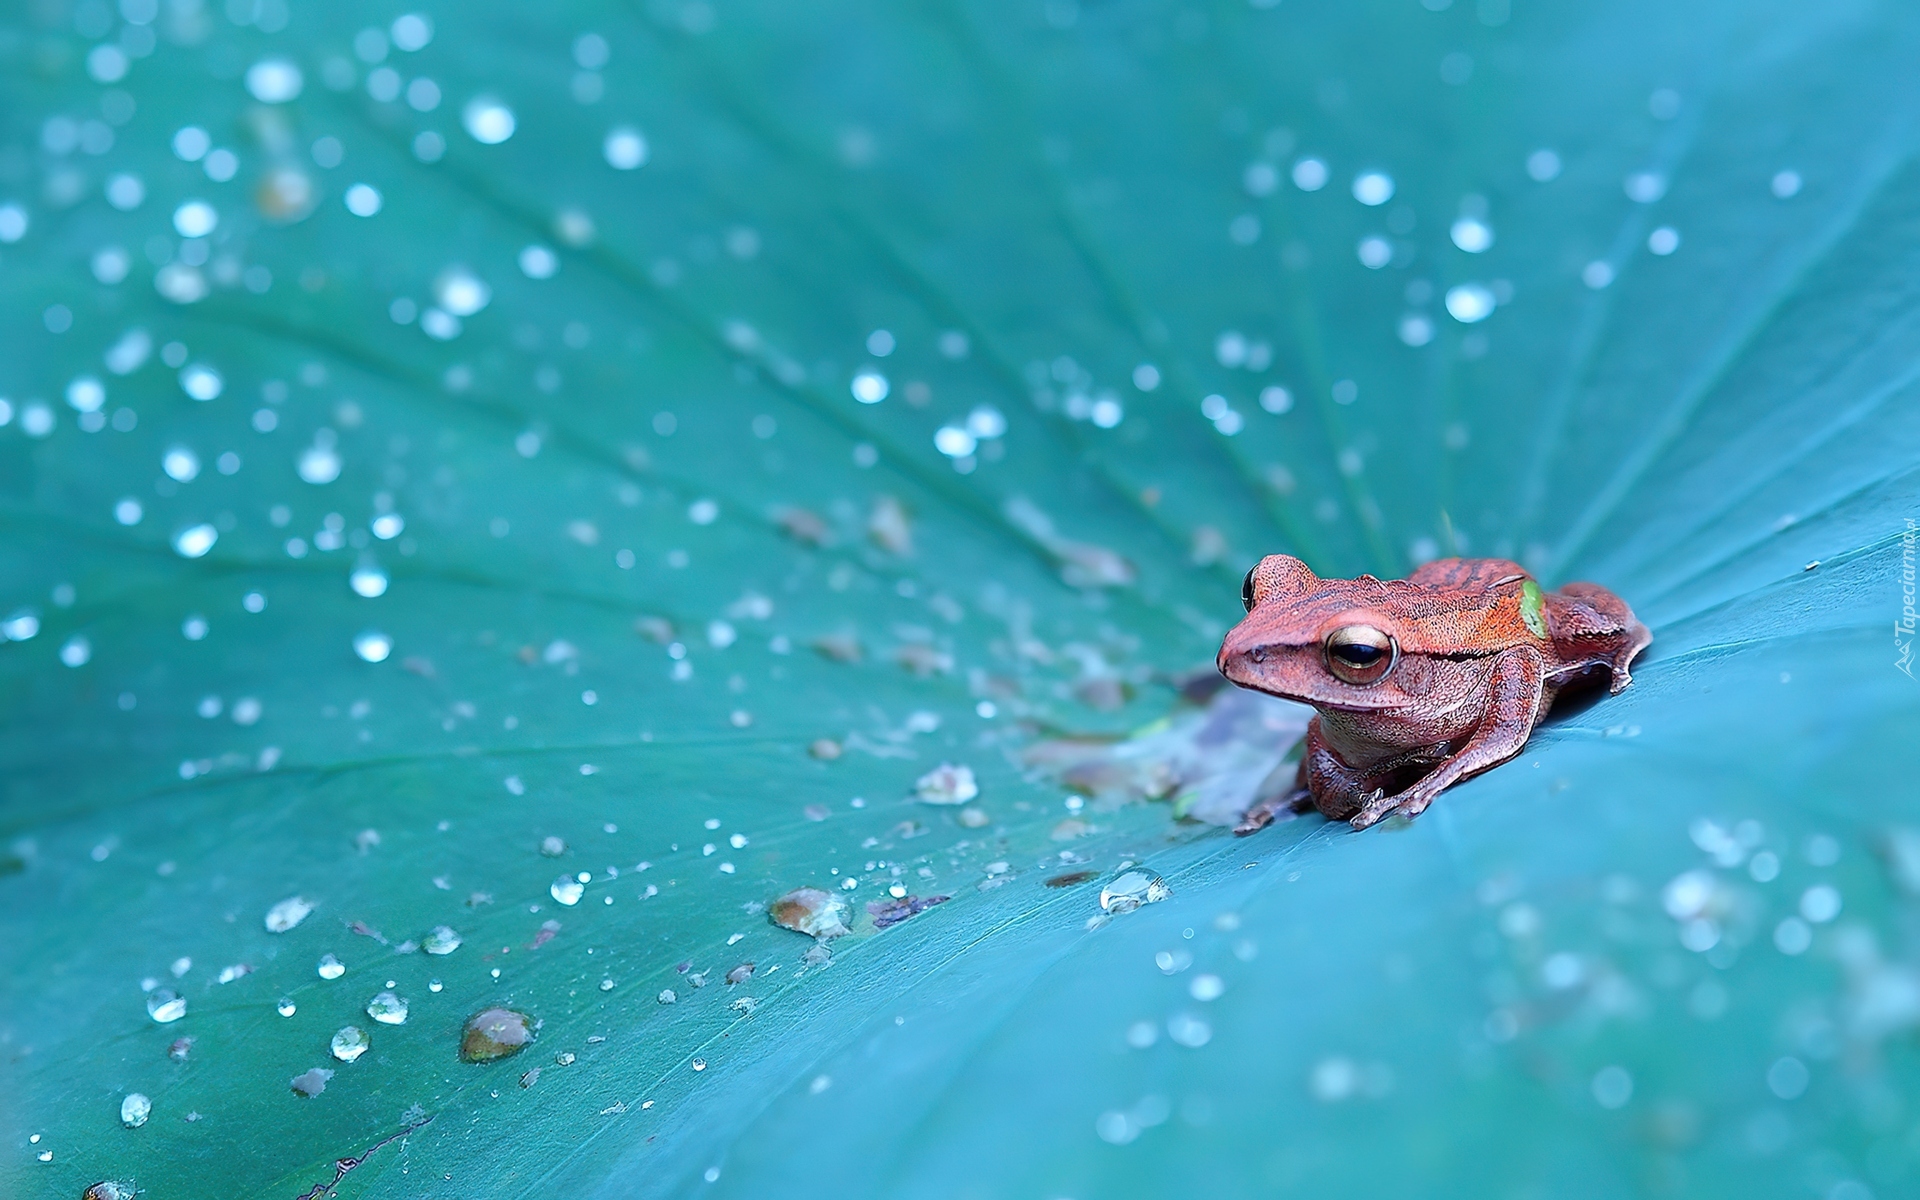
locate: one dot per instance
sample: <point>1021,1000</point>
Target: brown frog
<point>1422,682</point>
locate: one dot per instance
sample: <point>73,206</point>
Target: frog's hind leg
<point>1579,611</point>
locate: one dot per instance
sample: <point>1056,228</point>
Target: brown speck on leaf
<point>654,629</point>
<point>1103,692</point>
<point>180,1048</point>
<point>741,973</point>
<point>892,912</point>
<point>528,654</point>
<point>923,660</point>
<point>889,526</point>
<point>366,930</point>
<point>1201,686</point>
<point>840,647</point>
<point>810,911</point>
<point>1071,878</point>
<point>803,525</point>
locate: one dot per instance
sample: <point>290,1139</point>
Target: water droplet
<point>1132,889</point>
<point>165,1005</point>
<point>286,1007</point>
<point>1189,1031</point>
<point>947,784</point>
<point>1612,1087</point>
<point>443,940</point>
<point>195,540</point>
<point>350,1043</point>
<point>1310,174</point>
<point>487,121</point>
<point>369,581</point>
<point>495,1033</point>
<point>86,394</point>
<point>1664,240</point>
<point>76,651</point>
<point>195,219</point>
<point>1373,188</point>
<point>109,1189</point>
<point>201,381</point>
<point>954,441</point>
<point>388,1009</point>
<point>1820,904</point>
<point>1786,185</point>
<point>1644,187</point>
<point>870,387</point>
<point>274,81</point>
<point>1469,303</point>
<point>181,464</point>
<point>311,1083</point>
<point>363,200</point>
<point>1543,166</point>
<point>134,1110</point>
<point>1472,235</point>
<point>288,913</point>
<point>21,626</point>
<point>373,646</point>
<point>387,526</point>
<point>699,1064</point>
<point>625,148</point>
<point>567,890</point>
<point>461,292</point>
<point>319,463</point>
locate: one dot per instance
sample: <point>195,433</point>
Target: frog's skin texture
<point>1420,682</point>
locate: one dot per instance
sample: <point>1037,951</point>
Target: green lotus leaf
<point>512,518</point>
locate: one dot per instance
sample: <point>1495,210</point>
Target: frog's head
<point>1331,643</point>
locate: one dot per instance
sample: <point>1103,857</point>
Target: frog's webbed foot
<point>1263,814</point>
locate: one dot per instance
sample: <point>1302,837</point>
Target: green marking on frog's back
<point>1533,609</point>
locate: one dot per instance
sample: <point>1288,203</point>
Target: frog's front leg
<point>1514,693</point>
<point>1262,813</point>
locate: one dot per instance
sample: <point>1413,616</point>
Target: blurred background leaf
<point>460,461</point>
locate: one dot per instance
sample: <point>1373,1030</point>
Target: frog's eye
<point>1361,654</point>
<point>1246,588</point>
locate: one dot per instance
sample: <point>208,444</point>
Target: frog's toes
<point>1374,806</point>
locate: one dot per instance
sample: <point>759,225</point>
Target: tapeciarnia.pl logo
<point>1903,628</point>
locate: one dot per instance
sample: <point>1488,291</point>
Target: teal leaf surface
<point>537,484</point>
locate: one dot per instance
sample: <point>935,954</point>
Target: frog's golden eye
<point>1361,654</point>
<point>1246,588</point>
